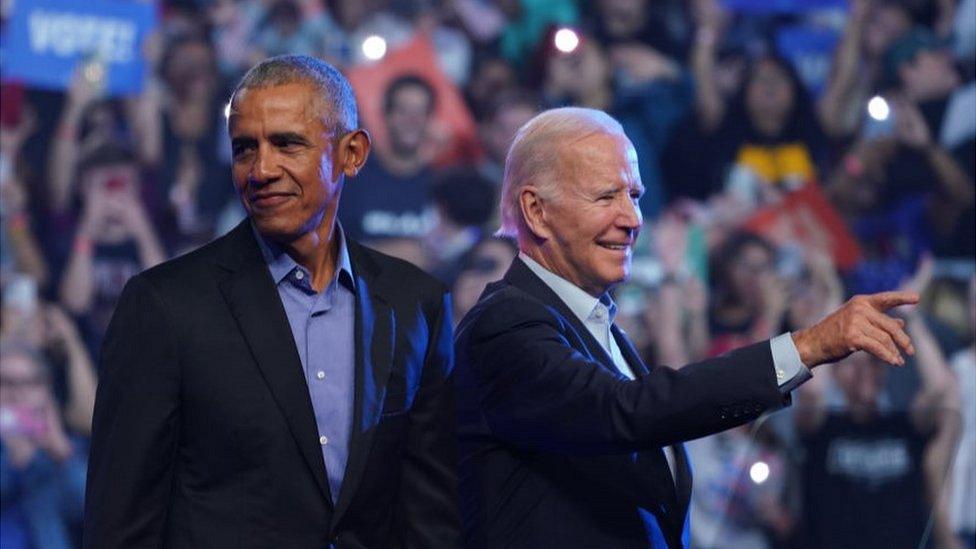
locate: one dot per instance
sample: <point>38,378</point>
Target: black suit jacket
<point>558,449</point>
<point>204,433</point>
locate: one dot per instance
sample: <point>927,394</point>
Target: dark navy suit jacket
<point>204,433</point>
<point>558,449</point>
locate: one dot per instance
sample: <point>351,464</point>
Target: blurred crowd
<point>775,191</point>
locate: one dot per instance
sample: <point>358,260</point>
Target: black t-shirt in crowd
<point>863,484</point>
<point>696,164</point>
<point>377,204</point>
<point>112,266</point>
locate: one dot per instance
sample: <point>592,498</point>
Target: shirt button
<point>299,275</point>
<point>320,374</point>
<point>780,374</point>
<point>323,440</point>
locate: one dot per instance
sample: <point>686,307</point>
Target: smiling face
<point>287,165</point>
<point>408,118</point>
<point>590,225</point>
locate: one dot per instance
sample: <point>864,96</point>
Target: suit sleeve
<point>538,392</point>
<point>428,501</point>
<point>136,425</point>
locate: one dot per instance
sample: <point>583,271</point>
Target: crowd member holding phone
<point>42,463</point>
<point>114,239</point>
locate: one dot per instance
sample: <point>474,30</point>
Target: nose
<point>630,215</point>
<point>265,168</point>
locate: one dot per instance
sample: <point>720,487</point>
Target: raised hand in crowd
<point>112,214</point>
<point>912,130</point>
<point>129,209</point>
<point>183,193</point>
<point>12,138</point>
<point>936,407</point>
<point>15,216</point>
<point>680,325</point>
<point>66,148</point>
<point>953,192</point>
<point>670,243</point>
<point>641,64</point>
<point>143,111</point>
<point>28,257</point>
<point>64,341</point>
<point>841,93</point>
<point>710,20</point>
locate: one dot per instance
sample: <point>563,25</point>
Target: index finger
<point>887,300</point>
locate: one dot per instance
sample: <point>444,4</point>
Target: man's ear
<point>534,212</point>
<point>356,146</point>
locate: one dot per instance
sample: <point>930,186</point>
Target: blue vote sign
<point>46,40</point>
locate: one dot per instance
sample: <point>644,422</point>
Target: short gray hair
<point>536,151</point>
<point>338,102</point>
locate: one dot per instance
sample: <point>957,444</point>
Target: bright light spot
<point>878,108</point>
<point>227,110</point>
<point>374,48</point>
<point>759,472</point>
<point>566,40</point>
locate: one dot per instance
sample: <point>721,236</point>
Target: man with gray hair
<point>567,438</point>
<point>282,386</point>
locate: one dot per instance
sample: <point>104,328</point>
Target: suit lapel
<point>521,276</point>
<point>683,480</point>
<point>629,351</point>
<point>673,505</point>
<point>678,492</point>
<point>375,333</point>
<point>251,295</point>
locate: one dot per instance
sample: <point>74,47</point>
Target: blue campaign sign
<point>47,39</point>
<point>811,50</point>
<point>780,6</point>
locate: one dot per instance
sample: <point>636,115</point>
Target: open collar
<point>281,264</point>
<point>578,300</point>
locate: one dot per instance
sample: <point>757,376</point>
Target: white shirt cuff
<point>789,369</point>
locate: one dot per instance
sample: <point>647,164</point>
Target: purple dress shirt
<point>322,324</point>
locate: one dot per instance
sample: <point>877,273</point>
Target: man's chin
<point>274,230</point>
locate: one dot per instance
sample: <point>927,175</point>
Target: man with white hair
<point>567,438</point>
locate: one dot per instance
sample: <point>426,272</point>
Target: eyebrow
<point>616,189</point>
<point>287,136</point>
<point>281,137</point>
<point>243,140</point>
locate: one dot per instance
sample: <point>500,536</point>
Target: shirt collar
<point>583,305</point>
<point>281,264</point>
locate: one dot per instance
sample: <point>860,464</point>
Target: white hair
<point>534,156</point>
